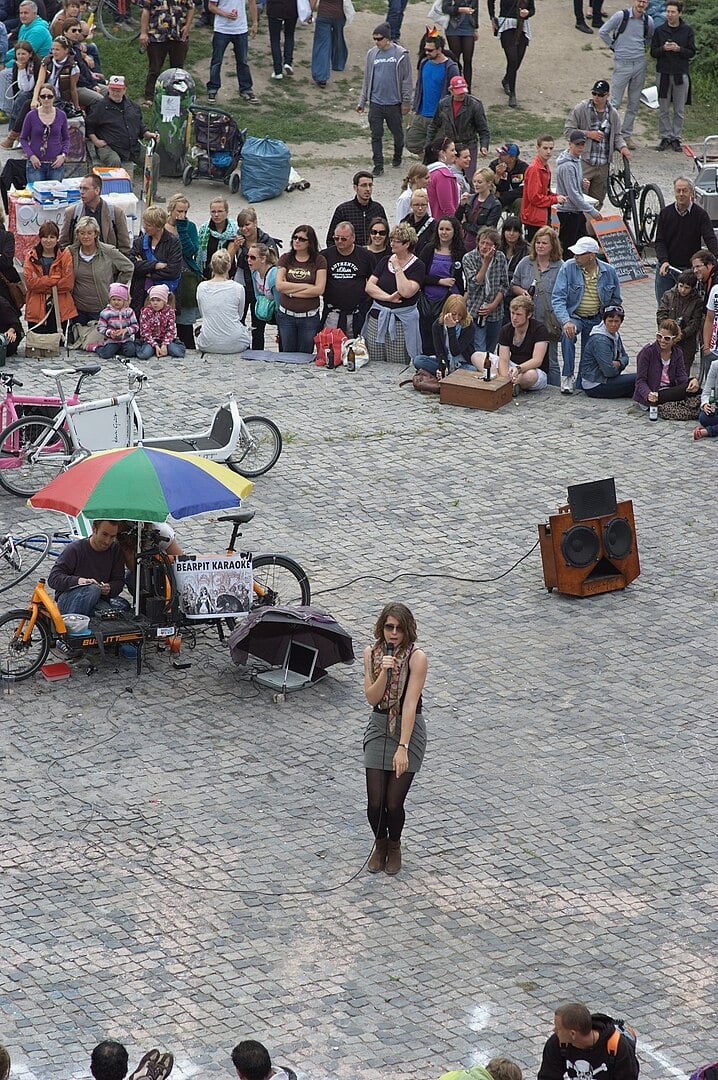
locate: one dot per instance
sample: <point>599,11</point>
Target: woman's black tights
<point>385,801</point>
<point>515,51</point>
<point>463,50</point>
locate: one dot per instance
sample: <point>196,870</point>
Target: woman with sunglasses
<point>248,234</point>
<point>392,325</point>
<point>301,280</point>
<point>59,70</point>
<point>45,139</point>
<point>395,739</point>
<point>378,245</point>
<point>661,376</point>
<point>262,261</point>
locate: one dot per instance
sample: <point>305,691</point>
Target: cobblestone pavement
<point>182,857</point>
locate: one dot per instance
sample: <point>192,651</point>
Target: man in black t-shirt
<point>348,270</point>
<point>523,347</point>
<point>587,1046</point>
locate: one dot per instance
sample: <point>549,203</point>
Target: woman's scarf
<point>206,230</point>
<point>189,245</point>
<point>393,697</point>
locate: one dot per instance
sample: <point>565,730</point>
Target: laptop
<point>296,672</point>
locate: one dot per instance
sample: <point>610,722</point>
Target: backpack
<point>620,1028</point>
<point>624,24</point>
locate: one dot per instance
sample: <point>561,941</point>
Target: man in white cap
<point>584,288</point>
<point>461,117</point>
<point>115,128</point>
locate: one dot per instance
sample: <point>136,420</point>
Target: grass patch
<point>522,127</point>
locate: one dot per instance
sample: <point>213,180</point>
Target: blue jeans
<point>618,387</point>
<point>568,345</point>
<point>45,172</point>
<point>20,109</point>
<point>297,335</point>
<point>145,351</point>
<point>240,44</point>
<point>422,362</point>
<point>554,371</point>
<point>395,17</point>
<point>85,599</point>
<point>329,50</point>
<point>486,336</point>
<point>710,422</point>
<point>115,348</point>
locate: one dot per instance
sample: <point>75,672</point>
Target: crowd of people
<point>583,1043</point>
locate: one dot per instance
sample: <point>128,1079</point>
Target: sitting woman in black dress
<point>395,739</point>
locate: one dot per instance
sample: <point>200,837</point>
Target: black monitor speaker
<point>593,500</point>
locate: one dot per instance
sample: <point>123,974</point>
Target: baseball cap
<point>585,245</point>
<point>459,83</point>
<point>577,136</point>
<point>600,87</point>
<point>509,148</point>
<point>116,80</point>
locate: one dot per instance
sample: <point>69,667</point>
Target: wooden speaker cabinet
<point>590,556</point>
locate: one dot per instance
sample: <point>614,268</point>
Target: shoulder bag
<point>42,346</point>
<point>549,320</point>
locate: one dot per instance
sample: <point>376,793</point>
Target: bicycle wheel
<point>20,659</point>
<point>279,580</point>
<point>23,555</point>
<point>649,207</point>
<point>258,449</point>
<point>24,470</point>
<point>619,180</point>
<point>119,19</point>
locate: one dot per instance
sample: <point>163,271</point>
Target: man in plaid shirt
<point>486,273</point>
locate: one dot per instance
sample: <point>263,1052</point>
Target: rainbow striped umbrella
<point>140,483</point>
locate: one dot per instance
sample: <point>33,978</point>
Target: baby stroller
<point>215,144</point>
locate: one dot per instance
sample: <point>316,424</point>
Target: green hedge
<point>703,17</point>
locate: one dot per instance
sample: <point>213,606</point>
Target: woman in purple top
<point>45,139</point>
<point>442,257</point>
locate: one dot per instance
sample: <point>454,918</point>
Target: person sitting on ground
<point>158,326</point>
<point>497,1069</point>
<point>349,267</point>
<point>708,415</point>
<point>25,72</point>
<point>109,1059</point>
<point>523,347</point>
<point>222,305</point>
<point>252,1062</point>
<point>661,376</point>
<point>579,1047</point>
<point>118,325</point>
<point>600,373</point>
<point>684,304</point>
<point>90,574</point>
<point>453,341</point>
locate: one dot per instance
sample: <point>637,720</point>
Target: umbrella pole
<point>137,567</point>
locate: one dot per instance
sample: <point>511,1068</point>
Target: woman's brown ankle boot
<point>378,856</point>
<point>393,857</point>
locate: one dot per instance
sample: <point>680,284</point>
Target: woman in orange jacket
<point>47,265</point>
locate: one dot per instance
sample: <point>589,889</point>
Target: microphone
<point>389,652</point>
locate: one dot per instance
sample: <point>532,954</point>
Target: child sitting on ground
<point>684,304</point>
<point>118,325</point>
<point>158,326</point>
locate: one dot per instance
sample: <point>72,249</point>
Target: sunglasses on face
<point>380,38</point>
<point>306,238</point>
<point>47,97</point>
<point>391,626</point>
<point>252,258</point>
<point>378,232</point>
<point>665,337</point>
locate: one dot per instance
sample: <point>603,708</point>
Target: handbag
<point>424,382</point>
<point>42,346</point>
<point>265,309</point>
<point>437,14</point>
<point>17,291</point>
<point>549,320</point>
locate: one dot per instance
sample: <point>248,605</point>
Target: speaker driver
<point>580,545</point>
<point>618,538</point>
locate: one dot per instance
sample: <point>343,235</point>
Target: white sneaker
<point>277,75</point>
<point>288,69</point>
<point>567,384</point>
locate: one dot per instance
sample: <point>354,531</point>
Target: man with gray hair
<point>349,267</point>
<point>682,228</point>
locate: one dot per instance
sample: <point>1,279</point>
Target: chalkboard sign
<point>618,247</point>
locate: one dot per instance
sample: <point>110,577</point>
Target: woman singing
<point>395,739</point>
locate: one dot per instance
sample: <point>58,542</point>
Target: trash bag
<point>266,164</point>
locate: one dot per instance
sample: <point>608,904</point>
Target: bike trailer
<point>706,182</point>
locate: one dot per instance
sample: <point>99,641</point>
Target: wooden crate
<point>470,389</point>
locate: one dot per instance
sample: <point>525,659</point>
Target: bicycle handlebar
<point>10,379</point>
